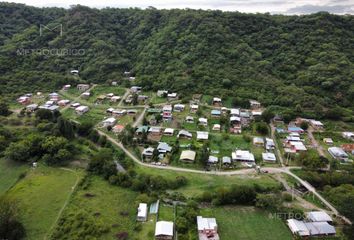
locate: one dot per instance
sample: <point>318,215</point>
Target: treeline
<point>301,63</point>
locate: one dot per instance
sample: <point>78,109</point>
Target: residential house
<point>86,95</point>
<point>226,160</point>
<point>297,146</point>
<point>75,105</point>
<point>31,107</point>
<point>258,141</point>
<point>215,113</point>
<point>115,98</point>
<point>83,87</point>
<point>142,129</point>
<point>63,102</point>
<point>213,160</point>
<point>168,132</point>
<point>119,112</point>
<point>318,216</point>
<point>51,108</point>
<point>243,156</point>
<point>172,96</point>
<point>142,98</point>
<point>162,93</point>
<point>306,229</point>
<point>114,83</point>
<point>74,72</point>
<point>132,111</point>
<point>269,157</point>
<point>207,228</point>
<point>194,108</point>
<point>203,122</point>
<point>338,153</point>
<point>235,112</point>
<point>148,153</point>
<point>155,131</point>
<point>164,230</point>
<point>167,112</point>
<point>202,135</point>
<point>109,110</point>
<point>179,107</point>
<point>81,110</point>
<point>294,129</point>
<point>109,122</point>
<point>328,141</point>
<point>216,127</point>
<point>189,119</point>
<point>184,134</point>
<point>187,156</point>
<point>135,89</point>
<point>348,135</point>
<point>66,87</point>
<point>24,100</point>
<point>164,148</point>
<point>196,97</point>
<point>317,125</point>
<point>269,144</point>
<point>234,120</point>
<point>256,113</point>
<point>217,101</point>
<point>118,128</point>
<point>349,147</point>
<point>142,212</point>
<point>255,104</point>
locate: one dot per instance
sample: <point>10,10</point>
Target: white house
<point>338,153</point>
<point>269,145</point>
<point>142,212</point>
<point>168,132</point>
<point>202,135</point>
<point>184,134</point>
<point>187,156</point>
<point>213,159</point>
<point>164,230</point>
<point>207,228</point>
<point>269,157</point>
<point>179,107</point>
<point>109,122</point>
<point>318,216</point>
<point>234,112</point>
<point>203,121</point>
<point>81,110</point>
<point>348,135</point>
<point>243,156</point>
<point>83,87</point>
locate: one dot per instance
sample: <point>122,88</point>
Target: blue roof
<point>215,112</point>
<point>295,129</point>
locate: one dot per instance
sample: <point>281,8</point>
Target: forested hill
<point>300,62</point>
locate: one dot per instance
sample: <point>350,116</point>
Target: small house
<point>83,87</point>
<point>202,135</point>
<point>148,153</point>
<point>155,131</point>
<point>294,129</point>
<point>24,100</point>
<point>162,93</point>
<point>348,135</point>
<point>258,141</point>
<point>74,72</point>
<point>118,128</point>
<point>164,230</point>
<point>269,144</point>
<point>234,112</point>
<point>32,107</point>
<point>172,96</point>
<point>318,216</point>
<point>184,134</point>
<point>207,228</point>
<point>86,95</point>
<point>142,98</point>
<point>75,105</point>
<point>135,89</point>
<point>168,132</point>
<point>164,147</point>
<point>179,107</point>
<point>217,101</point>
<point>255,104</point>
<point>203,121</point>
<point>243,156</point>
<point>269,157</point>
<point>66,87</point>
<point>187,156</point>
<point>226,160</point>
<point>189,119</point>
<point>216,127</point>
<point>142,212</point>
<point>109,122</point>
<point>115,98</point>
<point>328,141</point>
<point>194,108</point>
<point>63,102</point>
<point>213,160</point>
<point>119,112</point>
<point>142,129</point>
<point>215,113</point>
<point>81,110</point>
<point>317,125</point>
<point>338,153</point>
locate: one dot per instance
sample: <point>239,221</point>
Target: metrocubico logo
<point>43,28</point>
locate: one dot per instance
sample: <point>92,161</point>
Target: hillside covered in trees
<point>305,63</point>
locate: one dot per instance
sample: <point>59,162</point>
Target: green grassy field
<point>166,213</point>
<point>9,174</point>
<point>198,183</point>
<point>100,202</point>
<point>41,195</point>
<point>247,223</point>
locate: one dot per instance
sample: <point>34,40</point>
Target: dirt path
<point>123,97</point>
<point>277,151</point>
<point>314,142</point>
<point>77,98</point>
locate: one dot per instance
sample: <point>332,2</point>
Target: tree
<point>267,115</point>
<point>4,108</point>
<point>304,125</point>
<point>18,151</point>
<point>65,128</point>
<point>10,226</point>
<point>44,114</point>
<point>262,128</point>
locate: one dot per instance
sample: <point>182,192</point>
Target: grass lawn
<point>41,195</point>
<point>247,223</point>
<point>9,174</point>
<point>166,213</point>
<point>198,183</point>
<point>102,203</point>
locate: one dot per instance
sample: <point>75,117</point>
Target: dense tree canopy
<point>302,62</point>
